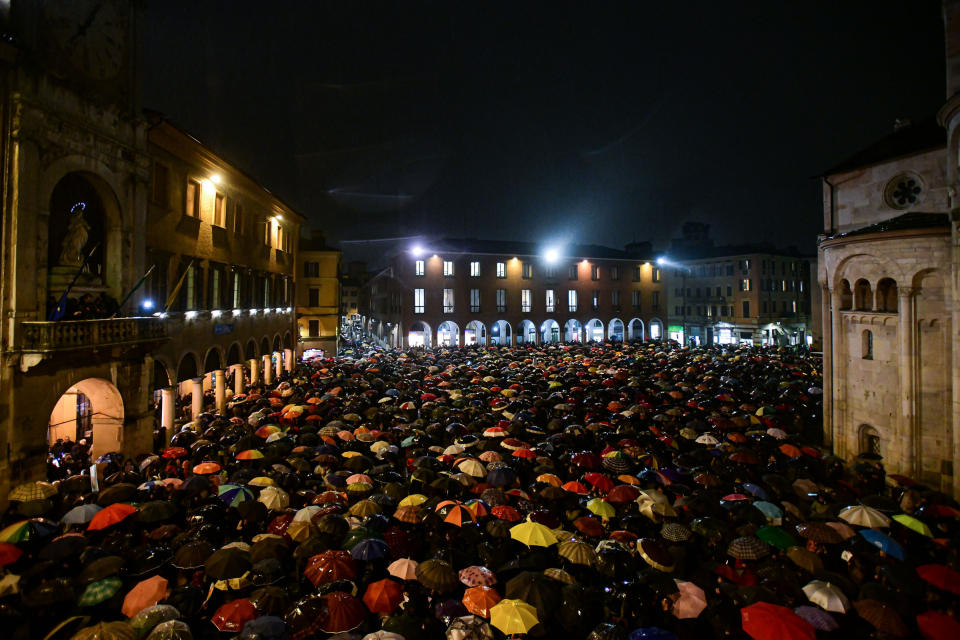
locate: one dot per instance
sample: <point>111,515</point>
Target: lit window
<point>192,206</point>
<point>501,300</point>
<point>525,301</point>
<point>475,300</point>
<point>448,267</point>
<point>191,289</point>
<point>572,300</point>
<point>594,272</point>
<point>215,289</point>
<point>220,210</point>
<point>501,269</point>
<point>418,306</point>
<point>794,303</point>
<point>616,298</point>
<point>448,301</point>
<point>236,290</point>
<point>595,299</point>
<point>551,300</point>
<point>419,268</point>
<point>527,270</point>
<point>656,274</point>
<point>746,284</point>
<point>615,272</point>
<point>474,269</point>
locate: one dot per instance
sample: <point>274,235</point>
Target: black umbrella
<point>64,548</point>
<point>122,492</point>
<point>101,568</point>
<point>156,511</point>
<point>228,563</point>
<point>192,555</point>
<point>537,590</point>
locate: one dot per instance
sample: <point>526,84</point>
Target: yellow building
<point>318,296</point>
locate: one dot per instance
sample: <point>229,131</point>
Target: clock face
<point>91,35</point>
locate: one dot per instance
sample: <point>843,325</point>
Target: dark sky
<point>594,121</point>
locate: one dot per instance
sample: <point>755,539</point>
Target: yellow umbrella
<point>365,508</point>
<point>913,524</point>
<point>513,616</point>
<point>262,481</point>
<point>533,534</point>
<point>601,507</point>
<point>653,502</point>
<point>473,468</point>
<point>413,500</point>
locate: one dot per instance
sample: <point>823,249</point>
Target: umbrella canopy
<point>100,591</point>
<point>383,596</point>
<point>827,596</point>
<point>513,616</point>
<point>403,568</point>
<point>941,577</point>
<point>227,563</point>
<point>692,600</point>
<point>765,621</point>
<point>437,575</point>
<point>341,612</point>
<point>110,516</point>
<point>476,575</point>
<point>883,542</point>
<point>106,631</point>
<point>882,616</point>
<point>479,600</point>
<point>145,594</point>
<point>330,566</point>
<point>864,516</point>
<point>913,524</point>
<point>533,534</point>
<point>934,625</point>
<point>233,615</point>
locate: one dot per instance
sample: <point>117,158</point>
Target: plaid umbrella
<point>101,591</point>
<point>748,548</point>
<point>32,491</point>
<point>675,532</point>
<point>818,618</point>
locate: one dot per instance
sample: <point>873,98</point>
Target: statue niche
<point>76,227</point>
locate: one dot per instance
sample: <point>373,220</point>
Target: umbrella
<point>533,534</point>
<point>827,596</point>
<point>171,630</point>
<point>478,600</point>
<point>883,542</point>
<point>106,631</point>
<point>227,563</point>
<point>864,516</point>
<point>941,577</point>
<point>776,537</point>
<point>476,576</point>
<point>150,617</point>
<point>370,549</point>
<point>437,575</point>
<point>577,552</point>
<point>274,498</point>
<point>882,616</point>
<point>513,616</point>
<point>675,532</point>
<point>655,554</point>
<point>692,600</point>
<point>27,530</point>
<point>330,566</point>
<point>81,514</point>
<point>101,591</point>
<point>819,532</point>
<point>383,596</point>
<point>651,633</point>
<point>233,494</point>
<point>765,621</point>
<point>748,548</point>
<point>806,560</point>
<point>145,594</point>
<point>462,628</point>
<point>231,616</point>
<point>601,508</point>
<point>9,553</point>
<point>403,568</point>
<point>934,625</point>
<point>913,524</point>
<point>32,491</point>
<point>110,516</point>
<point>269,600</point>
<point>192,555</point>
<point>341,612</point>
<point>818,618</point>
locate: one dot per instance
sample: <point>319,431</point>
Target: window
<point>729,290</point>
<point>615,272</point>
<point>527,270</point>
<point>236,289</point>
<point>550,273</point>
<point>474,269</point>
<point>713,311</point>
<point>595,299</point>
<point>281,238</point>
<point>572,300</point>
<point>314,328</point>
<point>866,345</point>
<point>636,273</point>
<point>265,232</point>
<point>635,299</point>
<point>475,300</point>
<point>215,287</point>
<point>551,301</point>
<point>525,301</point>
<point>783,285</point>
<point>656,274</point>
<point>311,269</point>
<point>573,271</point>
<point>419,268</point>
<point>448,267</point>
<point>746,284</point>
<point>418,301</point>
<point>220,210</point>
<point>718,292</point>
<point>501,300</point>
<point>313,297</point>
<point>656,300</point>
<point>238,218</point>
<point>190,288</point>
<point>869,440</point>
<point>192,205</point>
<point>746,308</point>
<point>745,265</point>
<point>266,291</point>
<point>763,307</point>
<point>616,298</point>
<point>594,272</point>
<point>448,305</point>
<point>794,306</point>
<point>161,182</point>
<point>501,269</point>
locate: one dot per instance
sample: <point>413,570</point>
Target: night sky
<point>592,121</point>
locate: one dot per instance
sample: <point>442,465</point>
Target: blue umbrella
<point>755,490</point>
<point>265,628</point>
<point>501,477</point>
<point>770,510</point>
<point>883,542</point>
<point>370,549</point>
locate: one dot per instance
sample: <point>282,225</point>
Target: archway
<point>526,333</point>
<point>862,296</point>
<point>91,409</point>
<point>287,340</point>
<point>845,295</point>
<point>500,333</point>
<point>572,331</point>
<point>594,331</point>
<point>656,329</point>
<point>448,334</point>
<point>615,330</point>
<point>475,333</point>
<point>419,335</point>
<point>549,331</point>
<point>212,362</point>
<point>233,355</point>
<point>250,352</point>
<point>161,377</point>
<point>276,342</point>
<point>887,295</point>
<point>635,329</point>
<point>265,346</point>
<point>187,368</point>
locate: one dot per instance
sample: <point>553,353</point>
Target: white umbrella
<point>864,516</point>
<point>826,596</point>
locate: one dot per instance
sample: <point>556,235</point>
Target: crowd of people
<point>601,492</point>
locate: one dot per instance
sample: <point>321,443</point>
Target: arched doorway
<point>500,333</point>
<point>448,334</point>
<point>656,329</point>
<point>419,335</point>
<point>615,330</point>
<point>250,352</point>
<point>475,333</point>
<point>526,333</point>
<point>91,409</point>
<point>572,331</point>
<point>635,329</point>
<point>550,331</point>
<point>594,331</point>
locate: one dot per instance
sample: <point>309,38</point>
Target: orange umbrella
<point>250,454</point>
<point>459,516</point>
<point>791,450</point>
<point>549,478</point>
<point>383,596</point>
<point>478,600</point>
<point>110,516</point>
<point>205,468</point>
<point>330,566</point>
<point>146,594</point>
<point>576,487</point>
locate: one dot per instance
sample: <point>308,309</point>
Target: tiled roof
<point>904,222</point>
<point>513,248</point>
<point>923,136</point>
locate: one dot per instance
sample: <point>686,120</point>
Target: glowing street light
<point>552,255</point>
<point>662,260</point>
<point>417,250</point>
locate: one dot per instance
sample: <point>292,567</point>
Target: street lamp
<point>552,255</point>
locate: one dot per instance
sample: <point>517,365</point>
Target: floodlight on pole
<point>551,255</point>
<point>417,250</point>
<point>662,260</point>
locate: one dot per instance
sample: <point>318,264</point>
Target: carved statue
<point>76,237</point>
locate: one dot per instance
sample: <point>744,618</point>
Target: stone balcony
<point>67,335</point>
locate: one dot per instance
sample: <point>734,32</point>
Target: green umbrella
<point>913,524</point>
<point>776,537</point>
<point>100,591</point>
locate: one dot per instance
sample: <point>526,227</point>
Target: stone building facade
<point>318,296</point>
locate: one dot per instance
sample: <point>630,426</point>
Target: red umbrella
<point>524,453</point>
<point>765,621</point>
<point>576,487</point>
<point>506,512</point>
<point>587,460</point>
<point>278,525</point>
<point>174,452</point>
<point>600,481</point>
<point>110,516</point>
<point>937,626</point>
<point>233,615</point>
<point>941,577</point>
<point>623,494</point>
<point>9,553</point>
<point>329,566</point>
<point>341,612</point>
<point>589,526</point>
<point>383,596</point>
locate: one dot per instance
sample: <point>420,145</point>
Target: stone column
<point>238,379</point>
<point>220,390</point>
<point>168,410</point>
<point>829,300</point>
<point>196,398</point>
<point>254,371</point>
<point>279,364</point>
<point>267,369</point>
<point>908,416</point>
<point>838,378</point>
<point>288,359</point>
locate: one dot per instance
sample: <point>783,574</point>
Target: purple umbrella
<point>818,618</point>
